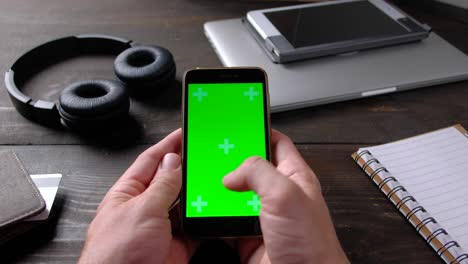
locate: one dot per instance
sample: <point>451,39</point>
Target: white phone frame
<point>266,30</point>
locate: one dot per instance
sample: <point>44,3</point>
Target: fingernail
<point>171,161</point>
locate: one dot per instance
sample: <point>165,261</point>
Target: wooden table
<point>371,230</point>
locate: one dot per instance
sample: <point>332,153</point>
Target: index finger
<point>283,149</point>
<point>144,167</point>
<point>139,175</point>
<point>289,162</point>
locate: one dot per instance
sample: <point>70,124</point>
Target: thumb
<point>260,176</point>
<point>165,186</point>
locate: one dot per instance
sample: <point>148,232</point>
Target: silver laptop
<point>343,77</point>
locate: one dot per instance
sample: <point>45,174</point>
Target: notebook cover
<point>19,197</point>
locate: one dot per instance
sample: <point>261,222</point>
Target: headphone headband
<point>50,53</point>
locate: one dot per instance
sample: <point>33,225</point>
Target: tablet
<point>338,78</point>
<point>319,29</point>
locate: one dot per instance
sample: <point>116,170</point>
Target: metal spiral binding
<point>369,162</point>
<point>435,234</point>
<point>459,258</point>
<point>425,222</point>
<point>382,183</point>
<point>440,251</point>
<point>394,190</point>
<point>404,200</point>
<point>377,171</point>
<point>360,154</point>
<point>446,246</point>
<point>414,211</point>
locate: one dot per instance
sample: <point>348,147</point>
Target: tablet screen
<point>333,23</point>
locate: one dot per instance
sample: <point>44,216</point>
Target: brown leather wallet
<point>19,197</point>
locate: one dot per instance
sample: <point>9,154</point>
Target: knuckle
<point>285,192</point>
<point>166,183</point>
<point>254,162</point>
<point>142,155</point>
<point>312,179</point>
<point>287,138</point>
<point>282,198</point>
<point>128,186</point>
<point>282,137</point>
<point>145,156</point>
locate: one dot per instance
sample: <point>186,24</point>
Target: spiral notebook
<point>426,178</point>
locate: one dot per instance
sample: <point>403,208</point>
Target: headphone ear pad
<point>145,67</point>
<point>93,104</point>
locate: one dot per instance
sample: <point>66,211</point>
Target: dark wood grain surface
<point>370,228</point>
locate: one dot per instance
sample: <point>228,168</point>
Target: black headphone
<point>90,104</point>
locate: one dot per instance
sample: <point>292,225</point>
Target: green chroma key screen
<point>225,126</point>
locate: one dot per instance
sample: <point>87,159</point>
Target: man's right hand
<point>294,218</point>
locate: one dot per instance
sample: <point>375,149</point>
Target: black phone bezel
<point>216,227</point>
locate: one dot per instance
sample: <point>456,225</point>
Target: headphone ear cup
<point>144,68</point>
<point>93,104</point>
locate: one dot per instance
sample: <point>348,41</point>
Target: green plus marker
<point>225,127</point>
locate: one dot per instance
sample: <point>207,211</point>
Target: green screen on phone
<point>225,126</point>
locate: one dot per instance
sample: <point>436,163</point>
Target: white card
<point>48,185</point>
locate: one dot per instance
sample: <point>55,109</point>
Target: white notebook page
<point>434,168</point>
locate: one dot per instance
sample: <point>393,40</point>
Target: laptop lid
<point>343,77</point>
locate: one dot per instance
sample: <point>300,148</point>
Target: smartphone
<point>334,27</point>
<point>225,121</point>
